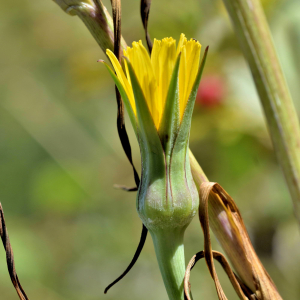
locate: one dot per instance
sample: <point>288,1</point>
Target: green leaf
<point>184,130</point>
<point>180,172</point>
<point>153,161</point>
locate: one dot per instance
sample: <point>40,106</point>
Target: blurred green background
<point>71,231</point>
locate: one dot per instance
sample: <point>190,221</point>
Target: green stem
<point>255,40</point>
<point>169,251</point>
<point>96,18</point>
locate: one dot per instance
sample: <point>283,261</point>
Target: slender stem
<point>169,251</point>
<point>255,40</point>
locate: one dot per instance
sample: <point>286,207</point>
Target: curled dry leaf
<point>134,259</point>
<point>145,10</point>
<point>243,292</point>
<point>10,258</point>
<point>116,12</point>
<point>218,211</point>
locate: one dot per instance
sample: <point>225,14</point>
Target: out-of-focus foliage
<point>71,231</point>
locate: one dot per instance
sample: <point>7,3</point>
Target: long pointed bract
<point>170,121</point>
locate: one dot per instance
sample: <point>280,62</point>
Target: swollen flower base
<point>159,93</point>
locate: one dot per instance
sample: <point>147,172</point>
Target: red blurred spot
<point>211,91</point>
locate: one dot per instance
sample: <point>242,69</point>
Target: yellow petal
<point>193,57</point>
<point>121,76</point>
<point>154,74</point>
<point>182,42</point>
<point>188,69</point>
<point>166,61</point>
<point>155,57</point>
<point>182,82</point>
<point>141,63</point>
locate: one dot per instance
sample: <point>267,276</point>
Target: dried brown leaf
<point>239,288</point>
<point>219,211</point>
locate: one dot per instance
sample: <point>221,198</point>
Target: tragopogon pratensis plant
<point>159,94</point>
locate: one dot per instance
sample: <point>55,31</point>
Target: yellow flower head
<point>154,73</point>
<point>159,94</point>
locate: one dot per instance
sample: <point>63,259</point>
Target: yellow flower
<point>154,73</point>
<point>159,93</point>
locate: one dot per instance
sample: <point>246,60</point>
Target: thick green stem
<point>169,251</point>
<point>254,36</point>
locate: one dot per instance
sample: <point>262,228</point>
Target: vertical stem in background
<point>255,40</point>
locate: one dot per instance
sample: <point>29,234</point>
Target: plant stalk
<point>96,18</point>
<point>255,40</point>
<point>169,251</point>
